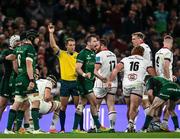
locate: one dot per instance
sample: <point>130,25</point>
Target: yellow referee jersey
<point>67,65</point>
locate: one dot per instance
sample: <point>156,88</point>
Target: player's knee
<point>111,108</point>
<point>34,97</point>
<point>63,107</point>
<point>79,109</point>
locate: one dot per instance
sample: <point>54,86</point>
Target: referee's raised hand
<point>51,28</point>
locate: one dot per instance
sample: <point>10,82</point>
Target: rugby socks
<point>81,122</point>
<point>96,121</point>
<point>54,120</point>
<point>147,121</point>
<point>92,124</point>
<point>175,122</point>
<point>146,110</point>
<point>20,116</point>
<point>62,116</point>
<point>112,118</point>
<point>11,118</point>
<point>35,117</point>
<point>76,120</point>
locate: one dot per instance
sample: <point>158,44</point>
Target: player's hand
<point>31,86</point>
<point>174,78</point>
<point>87,75</point>
<point>104,80</point>
<point>51,28</point>
<point>109,84</point>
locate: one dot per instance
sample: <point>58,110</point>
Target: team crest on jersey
<point>88,57</point>
<point>132,76</point>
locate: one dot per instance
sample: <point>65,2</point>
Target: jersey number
<point>157,61</point>
<point>134,66</point>
<point>112,65</point>
<point>19,60</point>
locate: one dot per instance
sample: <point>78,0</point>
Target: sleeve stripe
<point>121,62</point>
<point>167,59</point>
<point>98,63</point>
<point>80,61</point>
<point>29,58</point>
<point>57,53</point>
<point>149,67</point>
<point>48,88</point>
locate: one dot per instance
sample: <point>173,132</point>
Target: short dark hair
<point>139,34</point>
<point>104,42</point>
<point>88,38</point>
<point>68,40</point>
<point>139,50</point>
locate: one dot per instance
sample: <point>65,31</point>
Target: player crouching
<point>47,104</point>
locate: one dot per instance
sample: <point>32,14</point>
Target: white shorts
<point>136,89</point>
<point>102,92</point>
<point>45,107</point>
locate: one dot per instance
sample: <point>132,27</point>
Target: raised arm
<point>53,44</point>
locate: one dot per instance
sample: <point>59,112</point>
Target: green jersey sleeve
<point>30,52</point>
<point>81,57</point>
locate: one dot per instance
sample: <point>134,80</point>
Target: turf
<point>96,135</point>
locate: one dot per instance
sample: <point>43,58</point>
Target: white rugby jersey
<point>147,52</point>
<point>134,69</point>
<point>160,56</point>
<point>42,84</point>
<point>108,61</point>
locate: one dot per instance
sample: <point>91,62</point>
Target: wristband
<point>31,80</point>
<point>84,74</point>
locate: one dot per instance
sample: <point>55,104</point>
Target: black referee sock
<point>62,117</point>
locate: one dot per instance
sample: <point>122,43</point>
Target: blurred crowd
<point>114,20</point>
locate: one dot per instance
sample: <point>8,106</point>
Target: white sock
<point>146,110</point>
<point>112,118</point>
<point>54,120</point>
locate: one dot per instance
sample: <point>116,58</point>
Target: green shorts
<point>85,87</point>
<point>21,86</point>
<point>4,87</point>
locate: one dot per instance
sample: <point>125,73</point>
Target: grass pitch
<point>96,135</point>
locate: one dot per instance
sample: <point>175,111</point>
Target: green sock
<point>11,118</point>
<point>175,122</point>
<point>20,116</point>
<point>76,120</point>
<point>147,121</point>
<point>96,121</point>
<point>35,117</point>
